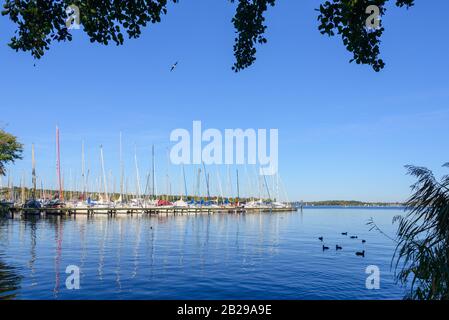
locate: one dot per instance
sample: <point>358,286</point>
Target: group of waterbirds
<point>338,247</point>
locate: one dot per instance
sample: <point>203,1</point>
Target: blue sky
<point>345,132</point>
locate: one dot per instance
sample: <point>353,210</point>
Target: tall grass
<point>421,259</point>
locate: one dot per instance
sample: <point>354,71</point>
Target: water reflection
<point>9,281</point>
<point>119,255</point>
<point>102,247</point>
<point>136,249</point>
<point>32,224</point>
<point>58,252</point>
<point>205,256</point>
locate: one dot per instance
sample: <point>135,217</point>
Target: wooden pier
<point>90,211</point>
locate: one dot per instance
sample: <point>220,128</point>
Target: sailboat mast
<point>250,184</point>
<point>277,188</point>
<point>153,174</point>
<point>122,169</point>
<point>219,185</point>
<point>230,190</point>
<point>33,163</point>
<point>111,185</point>
<point>198,183</point>
<point>62,182</point>
<point>208,185</point>
<point>11,187</point>
<point>168,177</point>
<point>87,183</point>
<point>104,174</point>
<point>138,191</point>
<point>58,165</point>
<point>238,187</point>
<point>207,181</point>
<point>22,187</point>
<point>70,185</point>
<point>185,181</point>
<point>266,186</point>
<point>83,168</point>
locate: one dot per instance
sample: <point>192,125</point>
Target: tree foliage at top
<point>40,22</point>
<point>422,254</point>
<point>10,150</point>
<point>347,18</point>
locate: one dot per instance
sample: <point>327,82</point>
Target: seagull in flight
<point>173,67</point>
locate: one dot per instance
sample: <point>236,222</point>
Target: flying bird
<point>173,67</point>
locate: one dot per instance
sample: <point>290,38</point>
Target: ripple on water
<point>252,256</point>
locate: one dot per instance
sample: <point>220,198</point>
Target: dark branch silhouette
<point>41,22</point>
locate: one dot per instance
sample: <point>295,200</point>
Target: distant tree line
<point>351,203</point>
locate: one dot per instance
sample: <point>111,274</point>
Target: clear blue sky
<point>345,132</point>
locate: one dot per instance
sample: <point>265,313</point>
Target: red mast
<point>58,165</point>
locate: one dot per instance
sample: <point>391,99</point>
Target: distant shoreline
<point>352,207</point>
<point>349,204</point>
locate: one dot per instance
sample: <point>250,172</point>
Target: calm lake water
<point>222,256</point>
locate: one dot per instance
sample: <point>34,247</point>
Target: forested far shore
<point>352,203</point>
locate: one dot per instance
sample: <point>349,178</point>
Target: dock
<point>91,211</point>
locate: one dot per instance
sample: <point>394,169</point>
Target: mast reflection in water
<point>220,256</point>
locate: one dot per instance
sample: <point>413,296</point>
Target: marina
<point>143,210</point>
<point>100,197</point>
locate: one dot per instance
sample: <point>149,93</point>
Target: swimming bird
<point>344,233</point>
<point>363,241</point>
<point>173,67</point>
<point>325,248</point>
<point>360,254</point>
<point>337,247</point>
<point>321,239</point>
<point>354,237</point>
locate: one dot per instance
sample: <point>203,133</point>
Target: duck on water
<point>360,254</point>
